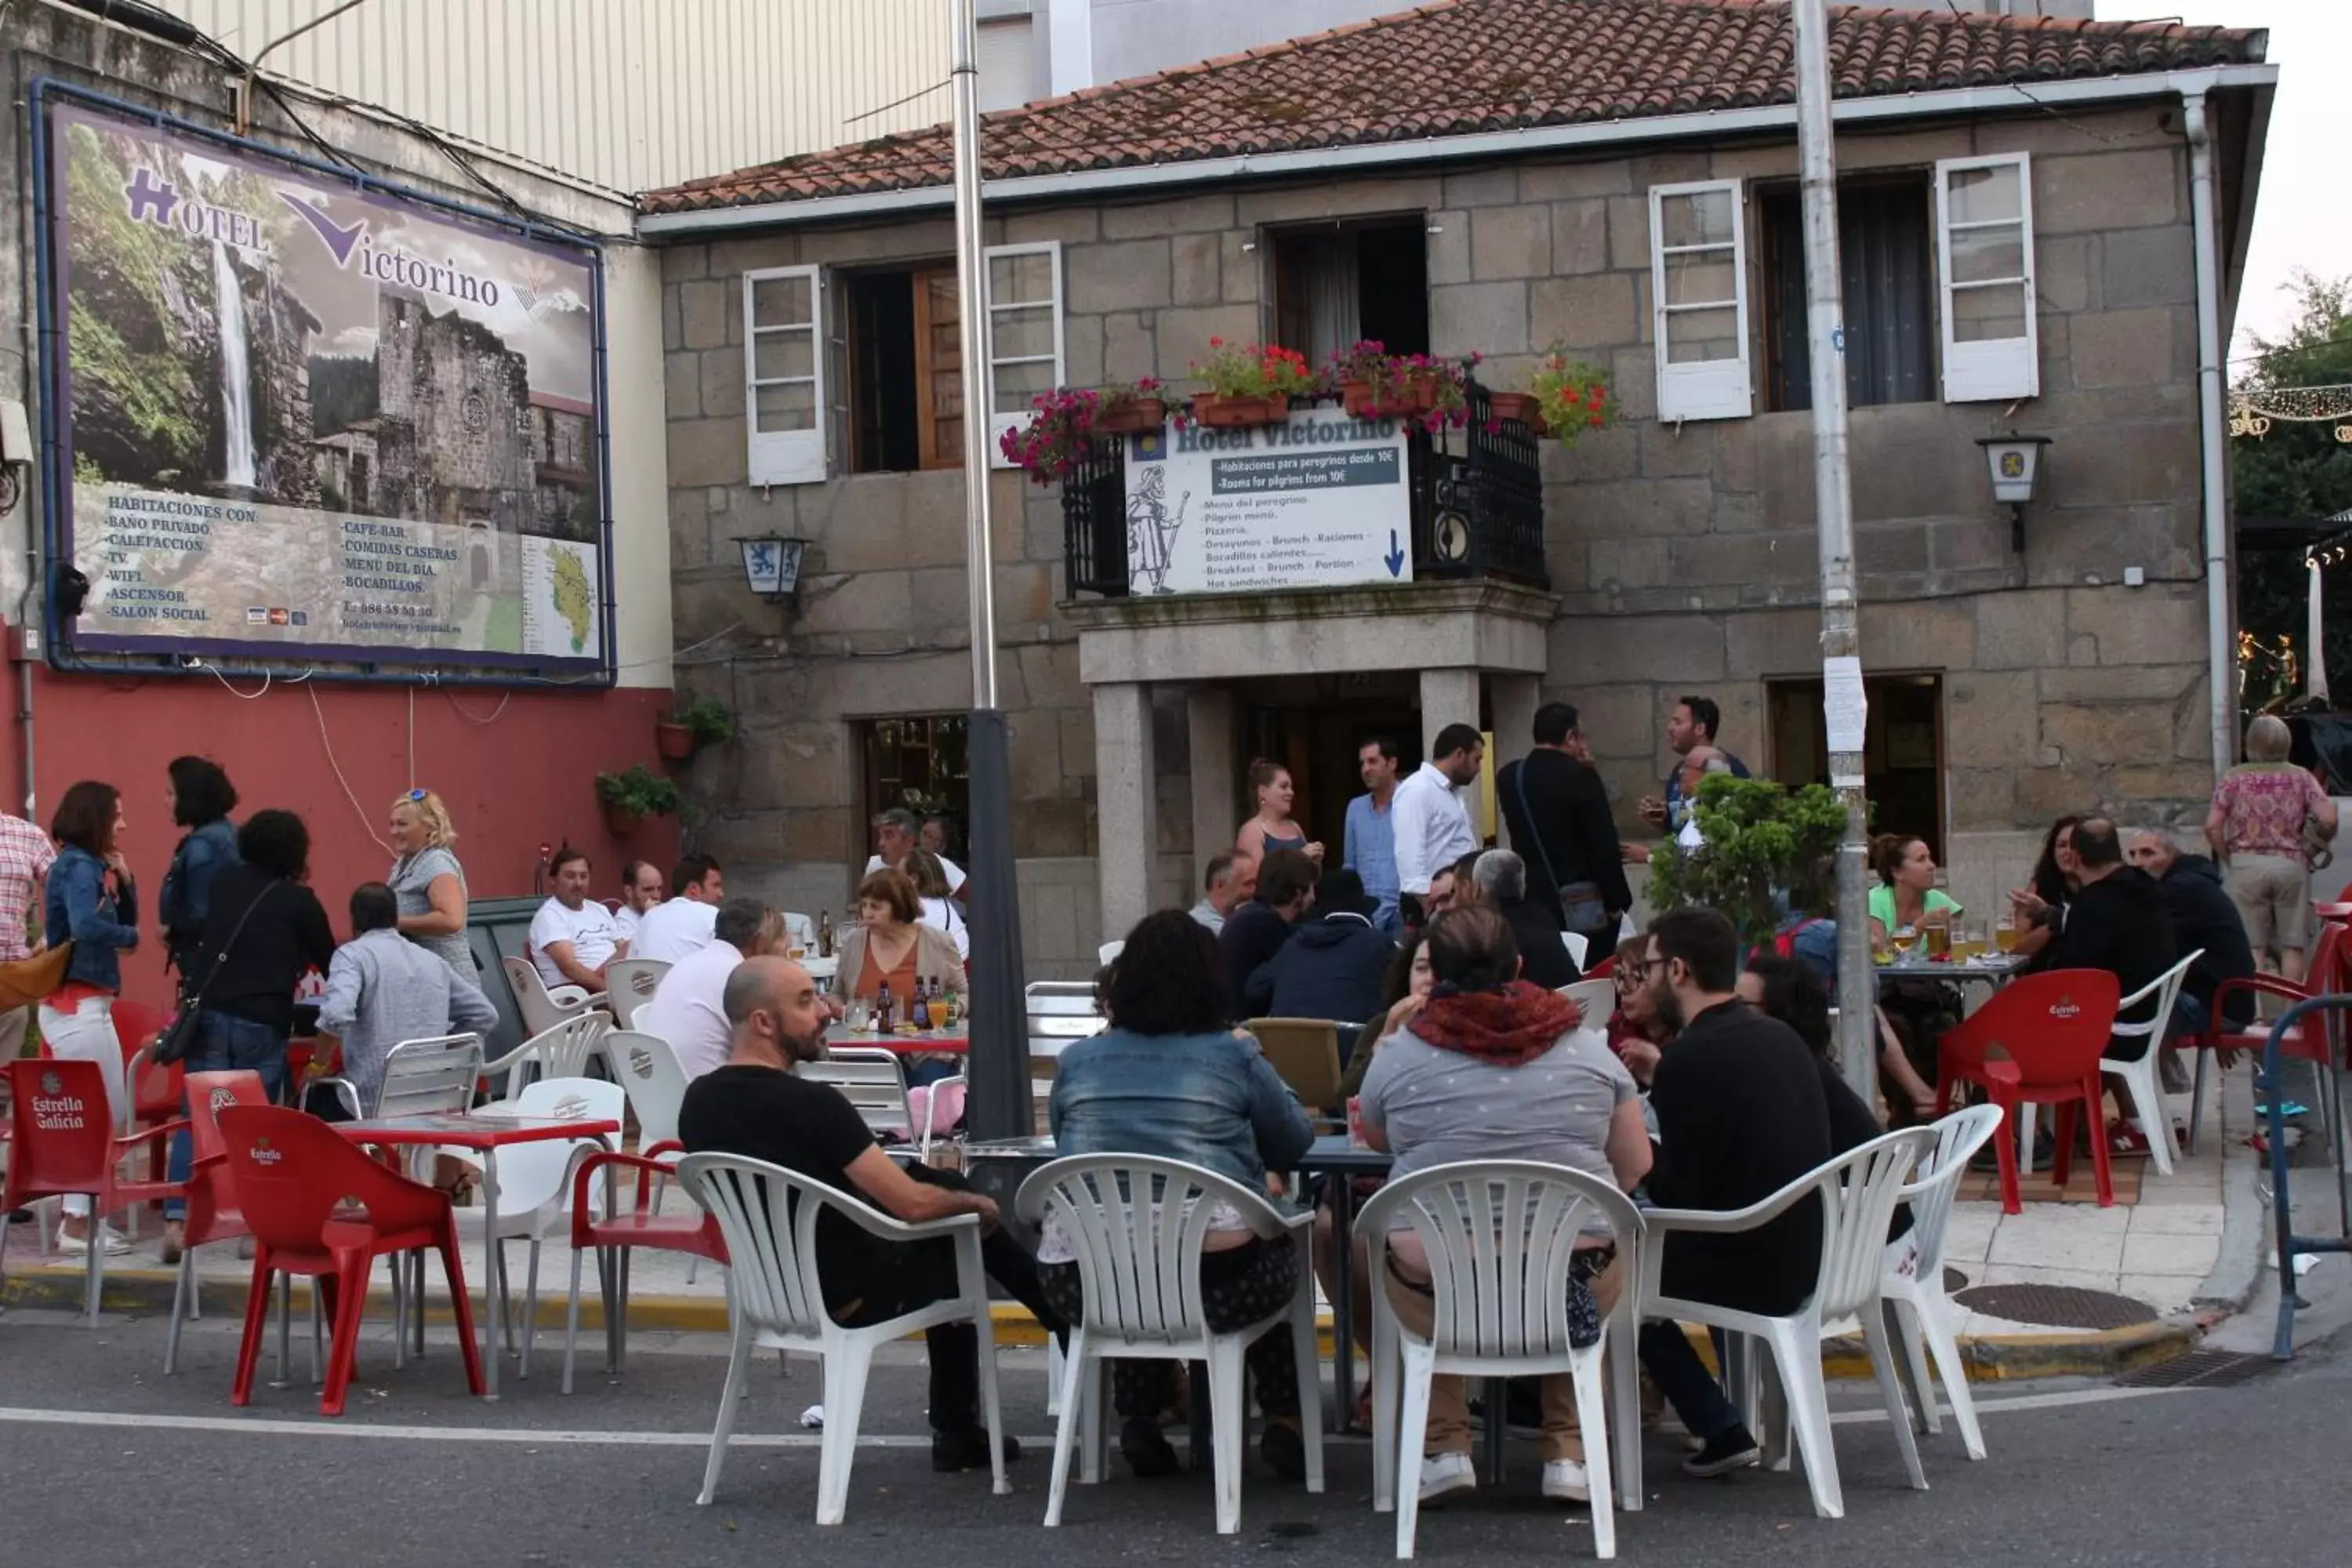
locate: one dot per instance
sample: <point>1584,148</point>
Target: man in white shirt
<point>1428,814</point>
<point>670,931</point>
<point>899,834</point>
<point>641,889</point>
<point>574,937</point>
<point>688,1009</point>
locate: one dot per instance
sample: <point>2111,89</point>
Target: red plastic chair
<point>290,1173</point>
<point>1603,970</point>
<point>2309,1040</point>
<point>2038,1042</point>
<point>697,1235</point>
<point>62,1143</point>
<point>213,1214</point>
<point>155,1090</point>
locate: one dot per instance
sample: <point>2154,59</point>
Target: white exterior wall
<point>630,94</point>
<point>640,467</point>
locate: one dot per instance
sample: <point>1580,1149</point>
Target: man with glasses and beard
<point>756,1108</point>
<point>1741,1111</point>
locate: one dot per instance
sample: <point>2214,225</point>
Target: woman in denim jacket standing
<point>201,798</point>
<point>90,898</point>
<point>1168,1077</point>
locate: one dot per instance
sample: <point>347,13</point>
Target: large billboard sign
<point>300,418</point>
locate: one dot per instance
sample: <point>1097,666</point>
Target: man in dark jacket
<point>1502,878</point>
<point>1558,812</point>
<point>1255,931</point>
<point>2118,922</point>
<point>1741,1113</point>
<point>2203,918</point>
<point>1334,964</point>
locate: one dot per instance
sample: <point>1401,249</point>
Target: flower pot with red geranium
<point>1128,408</point>
<point>1250,383</point>
<point>1569,397</point>
<point>1374,383</point>
<point>1065,424</point>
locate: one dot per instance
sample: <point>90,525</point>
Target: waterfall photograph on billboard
<point>298,416</point>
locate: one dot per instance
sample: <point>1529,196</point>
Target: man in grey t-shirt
<point>1493,1067</point>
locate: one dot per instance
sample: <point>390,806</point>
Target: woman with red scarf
<point>1493,1065</point>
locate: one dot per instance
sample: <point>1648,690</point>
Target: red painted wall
<point>517,771</point>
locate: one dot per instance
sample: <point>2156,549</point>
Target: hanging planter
<point>1062,424</point>
<point>1570,397</point>
<point>1228,413</point>
<point>674,741</point>
<point>629,798</point>
<point>1250,384</point>
<point>1143,411</point>
<point>1416,388</point>
<point>1518,408</point>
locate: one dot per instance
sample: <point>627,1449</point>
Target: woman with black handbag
<point>263,930</point>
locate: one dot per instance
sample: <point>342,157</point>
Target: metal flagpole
<point>998,1103</point>
<point>1843,705</point>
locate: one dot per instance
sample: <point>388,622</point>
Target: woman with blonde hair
<point>2261,810</point>
<point>931,879</point>
<point>427,880</point>
<point>1271,826</point>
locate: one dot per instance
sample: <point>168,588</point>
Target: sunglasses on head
<point>417,794</point>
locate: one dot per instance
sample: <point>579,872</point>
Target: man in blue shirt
<point>1693,725</point>
<point>1371,847</point>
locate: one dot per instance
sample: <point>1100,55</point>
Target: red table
<point>485,1133</point>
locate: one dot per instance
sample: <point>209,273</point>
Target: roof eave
<point>1483,145</point>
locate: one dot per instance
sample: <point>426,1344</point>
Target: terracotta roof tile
<point>1461,67</point>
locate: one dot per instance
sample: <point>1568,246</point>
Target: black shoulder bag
<point>178,1037</point>
<point>1581,908</point>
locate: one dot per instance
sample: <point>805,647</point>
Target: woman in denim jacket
<point>1168,1077</point>
<point>90,898</point>
<point>201,798</point>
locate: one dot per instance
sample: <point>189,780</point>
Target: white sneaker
<point>1564,1480</point>
<point>1441,1475</point>
<point>115,1241</point>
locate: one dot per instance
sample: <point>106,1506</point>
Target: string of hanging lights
<point>2252,412</point>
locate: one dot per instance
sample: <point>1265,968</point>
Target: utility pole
<point>999,1104</point>
<point>1844,707</point>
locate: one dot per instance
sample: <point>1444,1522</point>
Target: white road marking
<point>577,1437</point>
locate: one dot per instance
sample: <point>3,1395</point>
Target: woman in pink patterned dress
<point>2256,828</point>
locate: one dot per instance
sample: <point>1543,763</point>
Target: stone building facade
<point>1681,552</point>
<point>453,418</point>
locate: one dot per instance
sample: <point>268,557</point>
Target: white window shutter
<point>1023,284</point>
<point>1984,254</point>
<point>1698,296</point>
<point>784,406</point>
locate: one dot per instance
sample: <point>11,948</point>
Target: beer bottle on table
<point>824,933</point>
<point>882,1008</point>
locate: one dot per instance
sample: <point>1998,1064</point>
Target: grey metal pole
<point>999,1104</point>
<point>1842,702</point>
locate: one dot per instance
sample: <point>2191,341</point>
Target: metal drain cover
<point>1954,1281</point>
<point>2199,1369</point>
<point>2056,1306</point>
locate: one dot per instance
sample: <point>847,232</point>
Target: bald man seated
<point>756,1107</point>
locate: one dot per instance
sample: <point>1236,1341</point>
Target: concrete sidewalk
<point>2174,1256</point>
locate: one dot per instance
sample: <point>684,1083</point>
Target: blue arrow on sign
<point>1395,557</point>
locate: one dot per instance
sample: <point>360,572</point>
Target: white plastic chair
<point>872,1080</point>
<point>1109,950</point>
<point>540,1008</point>
<point>776,1301</point>
<point>2141,1085</point>
<point>1858,1192</point>
<point>1138,1224</point>
<point>1596,998</point>
<point>1578,945</point>
<point>535,1181</point>
<point>1060,1011</point>
<point>629,984</point>
<point>564,1050</point>
<point>651,1077</point>
<point>1923,1313</point>
<point>1499,1234</point>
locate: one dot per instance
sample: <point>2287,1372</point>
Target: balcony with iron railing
<point>1474,504</point>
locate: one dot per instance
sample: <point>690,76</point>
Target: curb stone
<point>1990,1358</point>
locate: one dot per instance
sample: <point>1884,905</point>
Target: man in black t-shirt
<point>755,1107</point>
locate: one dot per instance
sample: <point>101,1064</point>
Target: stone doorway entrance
<point>1314,725</point>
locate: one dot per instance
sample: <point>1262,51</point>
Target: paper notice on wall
<point>1845,712</point>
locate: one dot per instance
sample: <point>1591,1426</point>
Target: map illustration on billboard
<point>303,419</point>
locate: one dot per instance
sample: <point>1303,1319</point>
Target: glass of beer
<point>1905,939</point>
<point>2004,934</point>
<point>1940,939</point>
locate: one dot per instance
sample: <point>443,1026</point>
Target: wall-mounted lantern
<point>2014,461</point>
<point>771,565</point>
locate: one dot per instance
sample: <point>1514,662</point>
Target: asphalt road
<point>103,1462</point>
